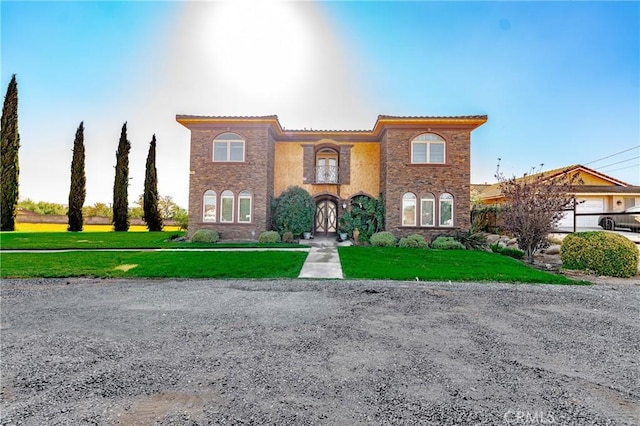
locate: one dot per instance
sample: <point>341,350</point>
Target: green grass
<point>440,265</point>
<point>174,264</point>
<point>92,240</point>
<point>357,262</point>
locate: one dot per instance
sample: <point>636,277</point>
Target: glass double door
<point>326,222</point>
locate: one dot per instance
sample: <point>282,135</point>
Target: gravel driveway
<point>91,351</point>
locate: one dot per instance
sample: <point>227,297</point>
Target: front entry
<point>326,218</point>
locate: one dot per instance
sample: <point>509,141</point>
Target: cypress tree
<point>77,190</point>
<point>121,184</point>
<point>152,216</point>
<point>9,169</point>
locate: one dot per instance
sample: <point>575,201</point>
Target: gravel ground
<point>90,351</point>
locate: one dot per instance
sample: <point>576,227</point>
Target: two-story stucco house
<point>420,165</point>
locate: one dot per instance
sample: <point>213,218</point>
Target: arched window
<point>427,210</point>
<point>209,206</point>
<point>446,209</point>
<point>327,166</point>
<point>228,147</point>
<point>244,206</point>
<point>428,148</point>
<point>226,207</point>
<point>409,209</point>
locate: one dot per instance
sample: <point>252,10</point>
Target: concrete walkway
<point>323,260</point>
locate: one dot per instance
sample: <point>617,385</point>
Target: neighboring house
<point>420,165</point>
<point>597,193</point>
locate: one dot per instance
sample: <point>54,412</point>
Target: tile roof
<point>326,130</point>
<point>493,191</point>
<point>432,117</point>
<point>233,117</point>
<point>186,117</point>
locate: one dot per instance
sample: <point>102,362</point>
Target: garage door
<point>586,205</point>
<point>590,205</point>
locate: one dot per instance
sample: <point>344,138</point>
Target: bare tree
<point>534,204</point>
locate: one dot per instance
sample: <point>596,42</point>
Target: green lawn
<point>172,264</point>
<point>357,262</point>
<point>91,240</point>
<point>440,265</point>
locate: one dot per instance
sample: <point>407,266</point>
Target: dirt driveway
<point>86,351</point>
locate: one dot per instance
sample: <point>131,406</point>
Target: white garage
<point>585,205</point>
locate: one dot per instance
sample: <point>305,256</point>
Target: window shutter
<point>344,164</point>
<point>308,164</point>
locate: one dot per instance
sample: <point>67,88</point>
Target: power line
<point>621,168</point>
<point>612,155</point>
<point>618,162</point>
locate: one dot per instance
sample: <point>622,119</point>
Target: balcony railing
<point>327,174</point>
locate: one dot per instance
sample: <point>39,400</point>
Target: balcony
<point>326,174</point>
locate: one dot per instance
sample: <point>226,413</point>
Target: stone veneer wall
<point>254,175</point>
<point>399,176</point>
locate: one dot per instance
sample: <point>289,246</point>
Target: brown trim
<point>382,123</point>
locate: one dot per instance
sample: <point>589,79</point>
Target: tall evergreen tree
<point>152,216</point>
<point>9,170</point>
<point>77,190</point>
<point>121,184</point>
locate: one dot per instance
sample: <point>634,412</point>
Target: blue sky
<point>560,81</point>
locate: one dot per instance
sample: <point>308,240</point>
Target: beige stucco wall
<point>365,169</point>
<point>589,179</point>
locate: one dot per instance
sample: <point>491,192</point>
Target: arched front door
<point>326,218</point>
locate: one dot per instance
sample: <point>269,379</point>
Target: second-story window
<point>327,166</point>
<point>228,147</point>
<point>428,148</point>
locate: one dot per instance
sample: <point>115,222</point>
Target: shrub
<point>269,237</point>
<point>446,243</point>
<point>604,253</point>
<point>486,218</point>
<point>293,211</point>
<point>366,214</point>
<point>472,240</point>
<point>383,239</point>
<point>181,216</point>
<point>205,236</point>
<point>413,241</point>
<point>506,251</point>
<point>287,237</point>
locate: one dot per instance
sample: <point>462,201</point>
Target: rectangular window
<point>419,153</point>
<point>236,151</point>
<point>220,151</point>
<point>228,151</point>
<point>428,149</point>
<point>436,152</point>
